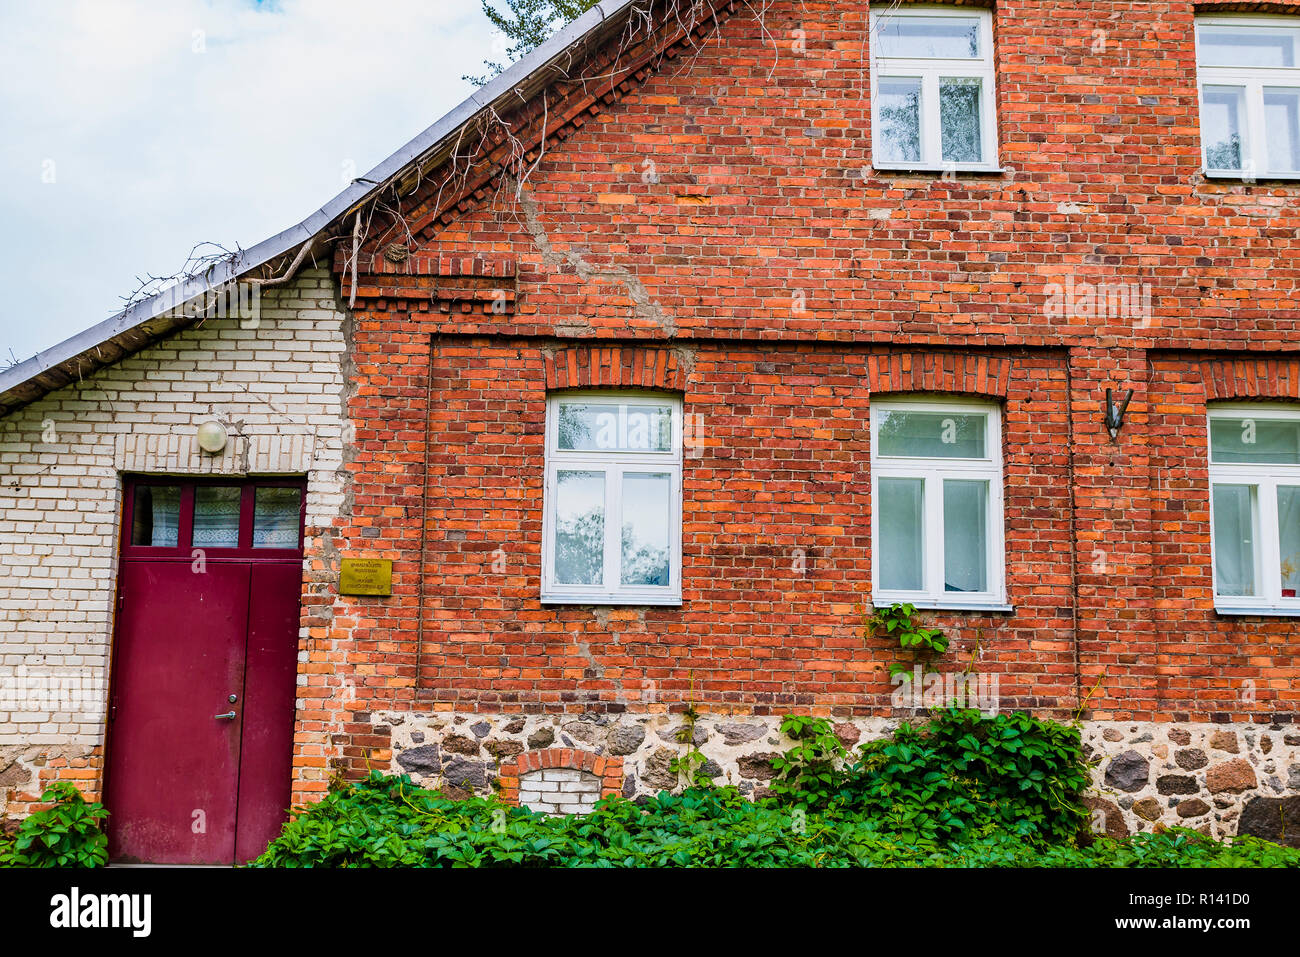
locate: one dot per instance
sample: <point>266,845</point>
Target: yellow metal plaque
<point>366,576</point>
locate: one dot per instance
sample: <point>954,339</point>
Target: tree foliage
<point>526,24</point>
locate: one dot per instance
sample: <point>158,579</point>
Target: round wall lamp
<point>211,437</point>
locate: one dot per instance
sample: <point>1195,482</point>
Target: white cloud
<point>166,124</point>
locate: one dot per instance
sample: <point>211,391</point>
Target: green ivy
<point>387,822</point>
<point>811,774</point>
<point>960,791</point>
<point>69,834</point>
<point>920,644</point>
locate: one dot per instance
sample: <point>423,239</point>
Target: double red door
<point>201,710</point>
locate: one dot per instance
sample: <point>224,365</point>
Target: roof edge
<point>357,192</point>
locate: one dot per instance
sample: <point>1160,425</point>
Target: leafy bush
<point>962,791</point>
<point>68,834</point>
<point>961,775</point>
<point>387,822</point>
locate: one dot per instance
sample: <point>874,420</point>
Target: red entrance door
<point>201,712</point>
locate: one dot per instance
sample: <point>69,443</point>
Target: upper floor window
<point>613,499</point>
<point>1255,507</point>
<point>932,97</point>
<point>1249,74</point>
<point>936,494</point>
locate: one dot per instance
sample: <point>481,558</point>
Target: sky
<point>132,130</point>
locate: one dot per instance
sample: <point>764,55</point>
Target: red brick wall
<point>772,278</point>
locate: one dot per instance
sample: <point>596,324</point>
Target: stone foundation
<point>1204,776</point>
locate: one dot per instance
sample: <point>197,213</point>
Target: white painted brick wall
<point>559,791</point>
<point>61,461</point>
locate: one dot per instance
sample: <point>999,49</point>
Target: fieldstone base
<point>1211,777</point>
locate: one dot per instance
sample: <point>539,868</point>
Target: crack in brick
<point>644,305</point>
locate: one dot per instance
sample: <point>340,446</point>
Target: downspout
<point>424,516</point>
<point>1074,535</point>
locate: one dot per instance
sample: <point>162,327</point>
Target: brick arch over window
<point>620,367</point>
<point>608,769</point>
<point>1251,379</point>
<point>939,372</point>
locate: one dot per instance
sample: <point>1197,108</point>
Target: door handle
<point>229,716</point>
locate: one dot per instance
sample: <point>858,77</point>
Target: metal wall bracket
<point>1115,413</point>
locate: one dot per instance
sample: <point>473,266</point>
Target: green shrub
<point>68,834</point>
<point>961,775</point>
<point>961,791</point>
<point>387,822</point>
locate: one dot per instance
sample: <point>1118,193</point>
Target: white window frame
<point>613,464</point>
<point>1254,160</point>
<point>1268,544</point>
<point>929,70</point>
<point>934,471</point>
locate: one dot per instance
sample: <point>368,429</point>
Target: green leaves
<point>898,621</point>
<point>934,817</point>
<point>69,834</point>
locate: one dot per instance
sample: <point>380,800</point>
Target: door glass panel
<point>900,516</point>
<point>597,427</point>
<point>956,38</point>
<point>1257,440</point>
<point>1288,530</point>
<point>897,109</point>
<point>155,519</point>
<point>216,516</point>
<point>944,435</point>
<point>276,516</point>
<point>1282,128</point>
<point>965,535</point>
<point>1247,46</point>
<point>1234,540</point>
<point>959,119</point>
<point>579,527</point>
<point>646,515</point>
<point>1224,108</point>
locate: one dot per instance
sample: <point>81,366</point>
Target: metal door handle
<point>229,715</point>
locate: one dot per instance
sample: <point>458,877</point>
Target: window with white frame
<point>1248,69</point>
<point>936,502</point>
<point>932,96</point>
<point>1255,507</point>
<point>613,499</point>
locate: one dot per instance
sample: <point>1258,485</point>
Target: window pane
<point>595,427</point>
<point>944,435</point>
<point>898,120</point>
<point>1282,128</point>
<point>1248,439</point>
<point>1288,530</point>
<point>1247,46</point>
<point>155,519</point>
<point>1234,539</point>
<point>965,535</point>
<point>276,516</point>
<point>579,528</point>
<point>1224,108</point>
<point>959,119</point>
<point>646,515</point>
<point>950,37</point>
<point>216,516</point>
<point>899,513</point>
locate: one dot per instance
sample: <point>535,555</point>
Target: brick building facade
<point>707,227</point>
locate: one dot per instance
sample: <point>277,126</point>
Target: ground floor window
<point>1255,507</point>
<point>613,499</point>
<point>936,493</point>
